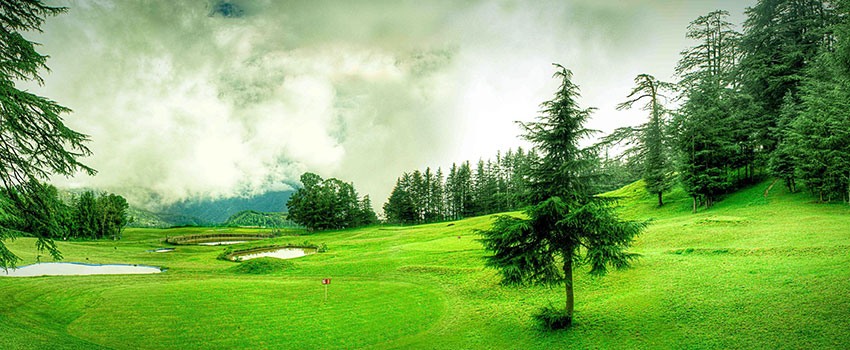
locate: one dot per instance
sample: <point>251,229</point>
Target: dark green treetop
<point>34,141</point>
<point>567,226</point>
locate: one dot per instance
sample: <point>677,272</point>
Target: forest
<point>323,204</point>
<point>84,215</point>
<point>770,101</point>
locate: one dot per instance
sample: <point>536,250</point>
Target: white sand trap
<point>67,269</point>
<point>280,253</point>
<point>222,243</point>
<point>161,250</point>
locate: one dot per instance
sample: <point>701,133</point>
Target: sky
<point>211,99</point>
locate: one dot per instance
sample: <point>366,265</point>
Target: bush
<point>225,253</point>
<point>261,266</point>
<point>552,318</point>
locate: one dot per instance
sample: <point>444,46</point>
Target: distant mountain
<point>220,210</point>
<point>197,212</point>
<point>146,218</point>
<point>258,219</point>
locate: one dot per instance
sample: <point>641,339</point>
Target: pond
<point>71,268</point>
<point>280,253</point>
<point>222,243</point>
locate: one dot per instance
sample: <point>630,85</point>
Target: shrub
<point>261,266</point>
<point>225,253</point>
<point>552,318</point>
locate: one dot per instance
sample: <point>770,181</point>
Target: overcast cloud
<point>182,100</point>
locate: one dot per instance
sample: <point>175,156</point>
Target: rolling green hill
<point>752,272</point>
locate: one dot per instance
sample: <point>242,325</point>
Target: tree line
<point>322,204</point>
<point>87,215</point>
<point>254,218</point>
<point>771,100</point>
<point>496,185</point>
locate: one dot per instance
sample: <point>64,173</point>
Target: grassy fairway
<point>752,272</point>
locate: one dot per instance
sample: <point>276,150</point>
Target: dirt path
<point>769,187</point>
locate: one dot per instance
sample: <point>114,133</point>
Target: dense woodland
<point>329,204</point>
<point>86,215</point>
<point>253,218</point>
<point>773,100</point>
<point>492,186</point>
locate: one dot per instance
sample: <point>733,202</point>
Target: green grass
<point>751,272</point>
<point>262,266</point>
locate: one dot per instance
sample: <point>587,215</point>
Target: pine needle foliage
<point>648,142</point>
<point>567,227</point>
<point>34,141</point>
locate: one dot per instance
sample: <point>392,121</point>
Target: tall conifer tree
<point>36,142</point>
<point>567,226</point>
<point>649,139</point>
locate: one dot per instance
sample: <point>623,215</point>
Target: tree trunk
<point>660,203</point>
<point>568,276</point>
<point>695,205</point>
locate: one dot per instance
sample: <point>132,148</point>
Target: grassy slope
<point>750,272</point>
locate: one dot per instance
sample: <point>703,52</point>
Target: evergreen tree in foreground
<point>36,142</point>
<point>567,226</point>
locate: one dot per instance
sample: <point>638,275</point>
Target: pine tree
<point>325,204</point>
<point>481,196</point>
<point>367,214</point>
<point>453,193</point>
<point>86,216</point>
<point>465,191</point>
<point>781,37</point>
<point>36,142</point>
<point>648,140</point>
<point>400,207</point>
<point>438,197</point>
<point>567,226</point>
<point>820,133</point>
<point>702,125</point>
<point>782,162</point>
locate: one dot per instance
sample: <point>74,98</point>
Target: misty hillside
<point>197,212</point>
<point>220,210</point>
<point>146,218</point>
<point>253,218</point>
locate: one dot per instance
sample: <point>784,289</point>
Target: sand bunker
<point>280,253</point>
<point>161,250</point>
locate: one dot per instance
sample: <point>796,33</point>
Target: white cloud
<point>185,104</point>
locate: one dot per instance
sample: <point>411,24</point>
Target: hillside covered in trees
<point>253,218</point>
<point>771,101</point>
